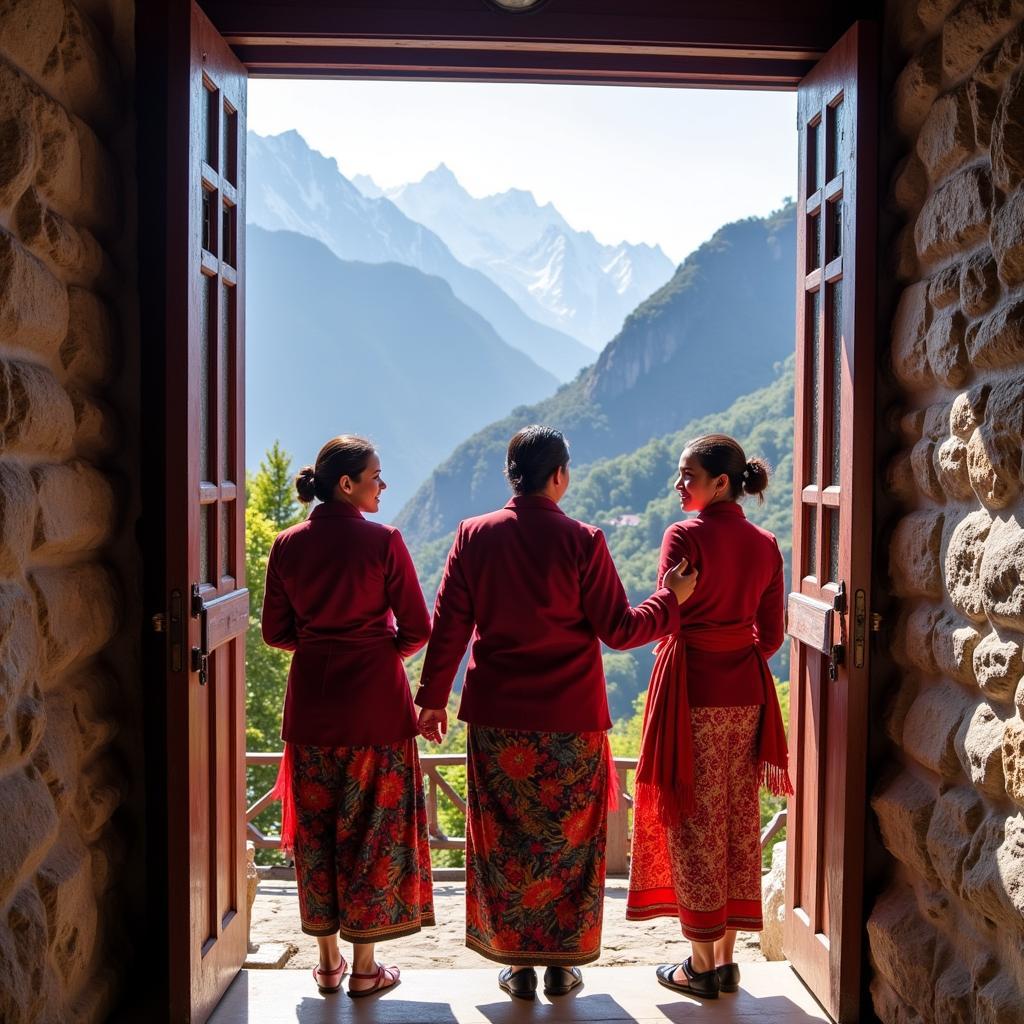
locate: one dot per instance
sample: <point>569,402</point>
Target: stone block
<point>1000,62</point>
<point>30,31</point>
<point>910,324</point>
<point>957,814</point>
<point>972,29</point>
<point>900,696</point>
<point>984,101</point>
<point>1004,411</point>
<point>914,555</point>
<point>914,639</point>
<point>993,465</point>
<point>963,564</point>
<point>17,516</point>
<point>947,355</point>
<point>90,76</point>
<point>951,469</point>
<point>979,284</point>
<point>998,1002</point>
<point>946,138</point>
<point>73,252</point>
<point>26,928</point>
<point>936,420</point>
<point>979,745</point>
<point>96,801</point>
<point>19,646</point>
<point>967,412</point>
<point>58,754</point>
<point>904,810</point>
<point>903,259</point>
<point>18,143</point>
<point>25,799</point>
<point>773,900</point>
<point>922,460</point>
<point>993,874</point>
<point>33,303</point>
<point>1007,235</point>
<point>955,217</point>
<point>1013,760</point>
<point>87,351</point>
<point>65,885</point>
<point>953,646</point>
<point>909,184</point>
<point>76,510</point>
<point>931,725</point>
<point>1002,575</point>
<point>902,945</point>
<point>35,411</point>
<point>28,723</point>
<point>944,287</point>
<point>888,1006</point>
<point>96,695</point>
<point>953,1001</point>
<point>97,429</point>
<point>1008,135</point>
<point>998,666</point>
<point>917,87</point>
<point>899,478</point>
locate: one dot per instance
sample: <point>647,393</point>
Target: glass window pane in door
<point>207,302</point>
<point>834,229</point>
<point>834,146</point>
<point>836,379</point>
<point>226,371</point>
<point>814,383</point>
<point>832,521</point>
<point>811,544</point>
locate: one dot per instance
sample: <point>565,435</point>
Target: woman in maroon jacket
<point>712,729</point>
<point>537,592</point>
<point>342,594</point>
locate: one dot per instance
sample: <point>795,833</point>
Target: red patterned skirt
<point>361,856</point>
<point>535,845</point>
<point>706,872</point>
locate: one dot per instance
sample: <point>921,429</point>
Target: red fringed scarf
<point>664,774</point>
<point>283,791</point>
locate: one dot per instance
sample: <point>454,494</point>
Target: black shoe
<point>729,978</point>
<point>560,980</point>
<point>522,983</point>
<point>703,984</point>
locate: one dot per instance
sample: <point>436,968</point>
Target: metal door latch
<point>836,656</point>
<point>200,655</point>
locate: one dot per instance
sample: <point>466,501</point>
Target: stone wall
<point>946,936</point>
<point>68,725</point>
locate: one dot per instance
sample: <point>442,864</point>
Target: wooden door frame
<point>565,41</point>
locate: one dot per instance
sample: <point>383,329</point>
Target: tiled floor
<point>770,994</point>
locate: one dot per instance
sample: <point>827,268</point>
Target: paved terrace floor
<point>770,994</point>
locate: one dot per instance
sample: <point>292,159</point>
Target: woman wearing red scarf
<point>342,594</point>
<point>537,592</point>
<point>712,729</point>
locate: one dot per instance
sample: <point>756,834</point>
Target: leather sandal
<point>558,981</point>
<point>338,972</point>
<point>702,984</point>
<point>522,983</point>
<point>384,978</point>
<point>728,977</point>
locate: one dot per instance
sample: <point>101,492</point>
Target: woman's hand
<point>433,723</point>
<point>680,582</point>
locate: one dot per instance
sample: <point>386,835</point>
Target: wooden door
<point>833,473</point>
<point>207,603</point>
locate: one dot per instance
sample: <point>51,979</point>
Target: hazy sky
<point>636,164</point>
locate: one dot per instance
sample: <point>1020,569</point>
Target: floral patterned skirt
<point>706,872</point>
<point>535,845</point>
<point>361,855</point>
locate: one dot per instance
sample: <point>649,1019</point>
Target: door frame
<point>467,40</point>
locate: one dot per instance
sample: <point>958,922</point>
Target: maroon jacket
<point>741,585</point>
<point>542,592</point>
<point>336,584</point>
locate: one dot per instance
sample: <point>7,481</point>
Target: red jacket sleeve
<point>405,597</point>
<point>770,623</point>
<point>277,620</point>
<point>608,610</point>
<point>674,546</point>
<point>450,634</point>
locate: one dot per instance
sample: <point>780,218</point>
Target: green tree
<point>270,508</point>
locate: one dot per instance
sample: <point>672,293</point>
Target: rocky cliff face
<point>947,935</point>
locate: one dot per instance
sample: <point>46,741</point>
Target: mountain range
<point>294,188</point>
<point>716,331</point>
<point>381,349</point>
<point>560,276</point>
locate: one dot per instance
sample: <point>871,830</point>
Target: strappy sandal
<point>379,977</point>
<point>319,972</point>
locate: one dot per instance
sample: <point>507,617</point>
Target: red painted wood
<point>828,726</point>
<point>204,398</point>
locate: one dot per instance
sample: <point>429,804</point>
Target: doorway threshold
<point>771,993</point>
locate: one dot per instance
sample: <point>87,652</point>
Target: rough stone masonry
<point>947,935</point>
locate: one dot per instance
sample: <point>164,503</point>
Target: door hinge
<point>158,622</point>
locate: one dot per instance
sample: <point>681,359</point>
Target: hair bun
<point>305,484</point>
<point>755,476</point>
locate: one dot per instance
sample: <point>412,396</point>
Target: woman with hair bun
<point>536,592</point>
<point>712,728</point>
<point>342,594</point>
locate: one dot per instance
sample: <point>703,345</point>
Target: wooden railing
<point>438,786</point>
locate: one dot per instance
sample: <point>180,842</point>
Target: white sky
<point>635,164</point>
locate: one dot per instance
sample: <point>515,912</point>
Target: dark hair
<point>534,453</point>
<point>346,455</point>
<point>720,453</point>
